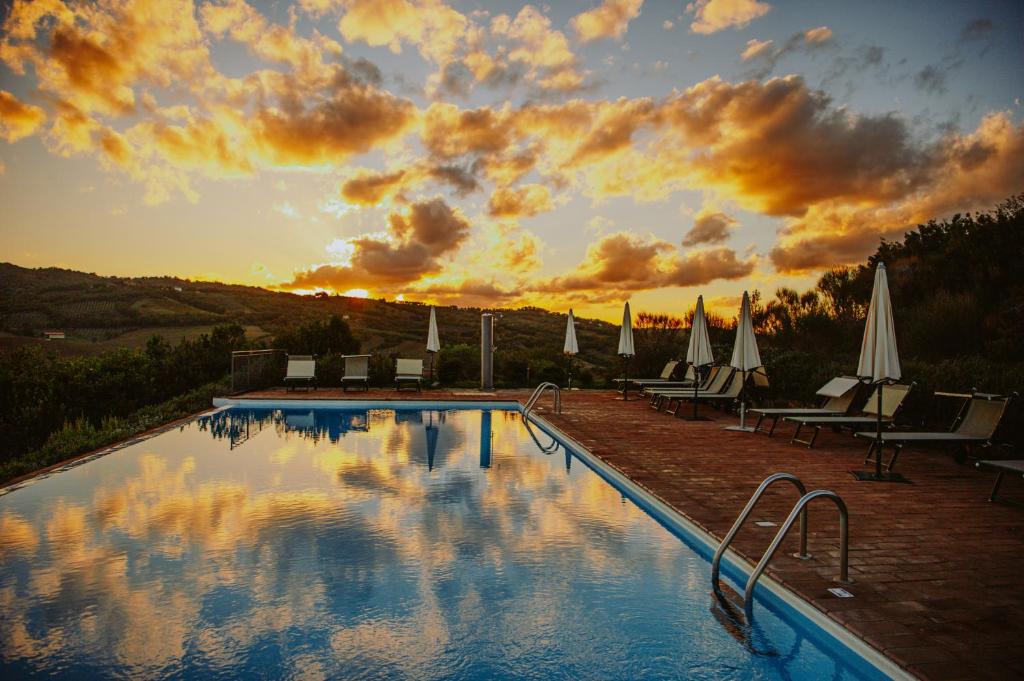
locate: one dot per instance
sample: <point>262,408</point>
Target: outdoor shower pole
<point>487,352</point>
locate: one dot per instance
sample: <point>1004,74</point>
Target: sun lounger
<point>716,386</point>
<point>1014,467</point>
<point>839,394</point>
<point>723,399</point>
<point>975,427</point>
<point>658,392</point>
<point>892,399</point>
<point>357,371</point>
<point>686,382</point>
<point>301,371</point>
<point>666,374</point>
<point>409,372</point>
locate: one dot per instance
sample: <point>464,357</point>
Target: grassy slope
<point>103,312</point>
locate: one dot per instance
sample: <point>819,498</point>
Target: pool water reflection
<point>316,543</point>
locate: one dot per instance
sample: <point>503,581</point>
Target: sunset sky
<point>577,153</point>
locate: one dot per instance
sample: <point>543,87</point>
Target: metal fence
<point>256,369</point>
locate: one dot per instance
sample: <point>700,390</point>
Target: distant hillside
<point>99,313</point>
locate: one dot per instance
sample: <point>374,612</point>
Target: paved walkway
<point>937,568</point>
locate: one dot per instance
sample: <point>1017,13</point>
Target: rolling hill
<point>99,313</point>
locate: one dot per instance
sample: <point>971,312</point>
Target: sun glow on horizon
<point>356,293</point>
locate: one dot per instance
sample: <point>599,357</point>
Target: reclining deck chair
<point>301,371</point>
<point>975,427</point>
<point>409,371</point>
<point>892,399</point>
<point>357,371</point>
<point>839,394</point>
<point>654,390</point>
<point>721,400</point>
<point>716,386</point>
<point>665,375</point>
<point>1014,467</point>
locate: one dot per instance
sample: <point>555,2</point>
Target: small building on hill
<point>53,335</point>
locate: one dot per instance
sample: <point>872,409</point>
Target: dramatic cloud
<point>971,172</point>
<point>709,227</point>
<point>411,249</point>
<point>369,188</point>
<point>711,16</point>
<point>627,262</point>
<point>779,147</point>
<point>18,120</point>
<point>520,202</point>
<point>608,20</point>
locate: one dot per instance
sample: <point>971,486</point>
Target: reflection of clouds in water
<point>17,535</point>
<point>303,542</point>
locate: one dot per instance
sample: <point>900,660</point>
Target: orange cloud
<point>368,188</point>
<point>522,201</point>
<point>627,262</point>
<point>18,120</point>
<point>610,19</point>
<point>711,16</point>
<point>969,172</point>
<point>411,249</point>
<point>709,227</point>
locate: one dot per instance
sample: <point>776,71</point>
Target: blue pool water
<point>305,543</point>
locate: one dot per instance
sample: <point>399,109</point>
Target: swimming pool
<point>422,542</point>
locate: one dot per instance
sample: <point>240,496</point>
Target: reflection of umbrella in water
<point>432,433</point>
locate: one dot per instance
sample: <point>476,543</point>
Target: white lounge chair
<point>839,394</point>
<point>974,428</point>
<point>409,371</point>
<point>301,371</point>
<point>892,399</point>
<point>357,371</point>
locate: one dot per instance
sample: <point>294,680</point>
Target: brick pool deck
<point>937,569</point>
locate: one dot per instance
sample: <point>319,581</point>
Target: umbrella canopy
<point>699,352</point>
<point>433,343</point>
<point>626,334</point>
<point>745,356</point>
<point>571,346</point>
<point>879,359</point>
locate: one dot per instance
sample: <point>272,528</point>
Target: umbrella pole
<point>695,399</point>
<point>625,382</point>
<point>877,475</point>
<point>878,436</point>
<point>743,401</point>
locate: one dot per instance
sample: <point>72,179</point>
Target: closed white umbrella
<point>879,362</point>
<point>433,342</point>
<point>571,347</point>
<point>698,353</point>
<point>626,347</point>
<point>745,356</point>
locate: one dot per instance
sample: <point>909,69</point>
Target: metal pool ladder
<point>540,389</point>
<point>799,509</point>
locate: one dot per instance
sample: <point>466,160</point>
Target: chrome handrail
<point>538,391</point>
<point>799,509</point>
<point>768,482</point>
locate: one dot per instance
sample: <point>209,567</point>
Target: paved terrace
<point>937,569</point>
